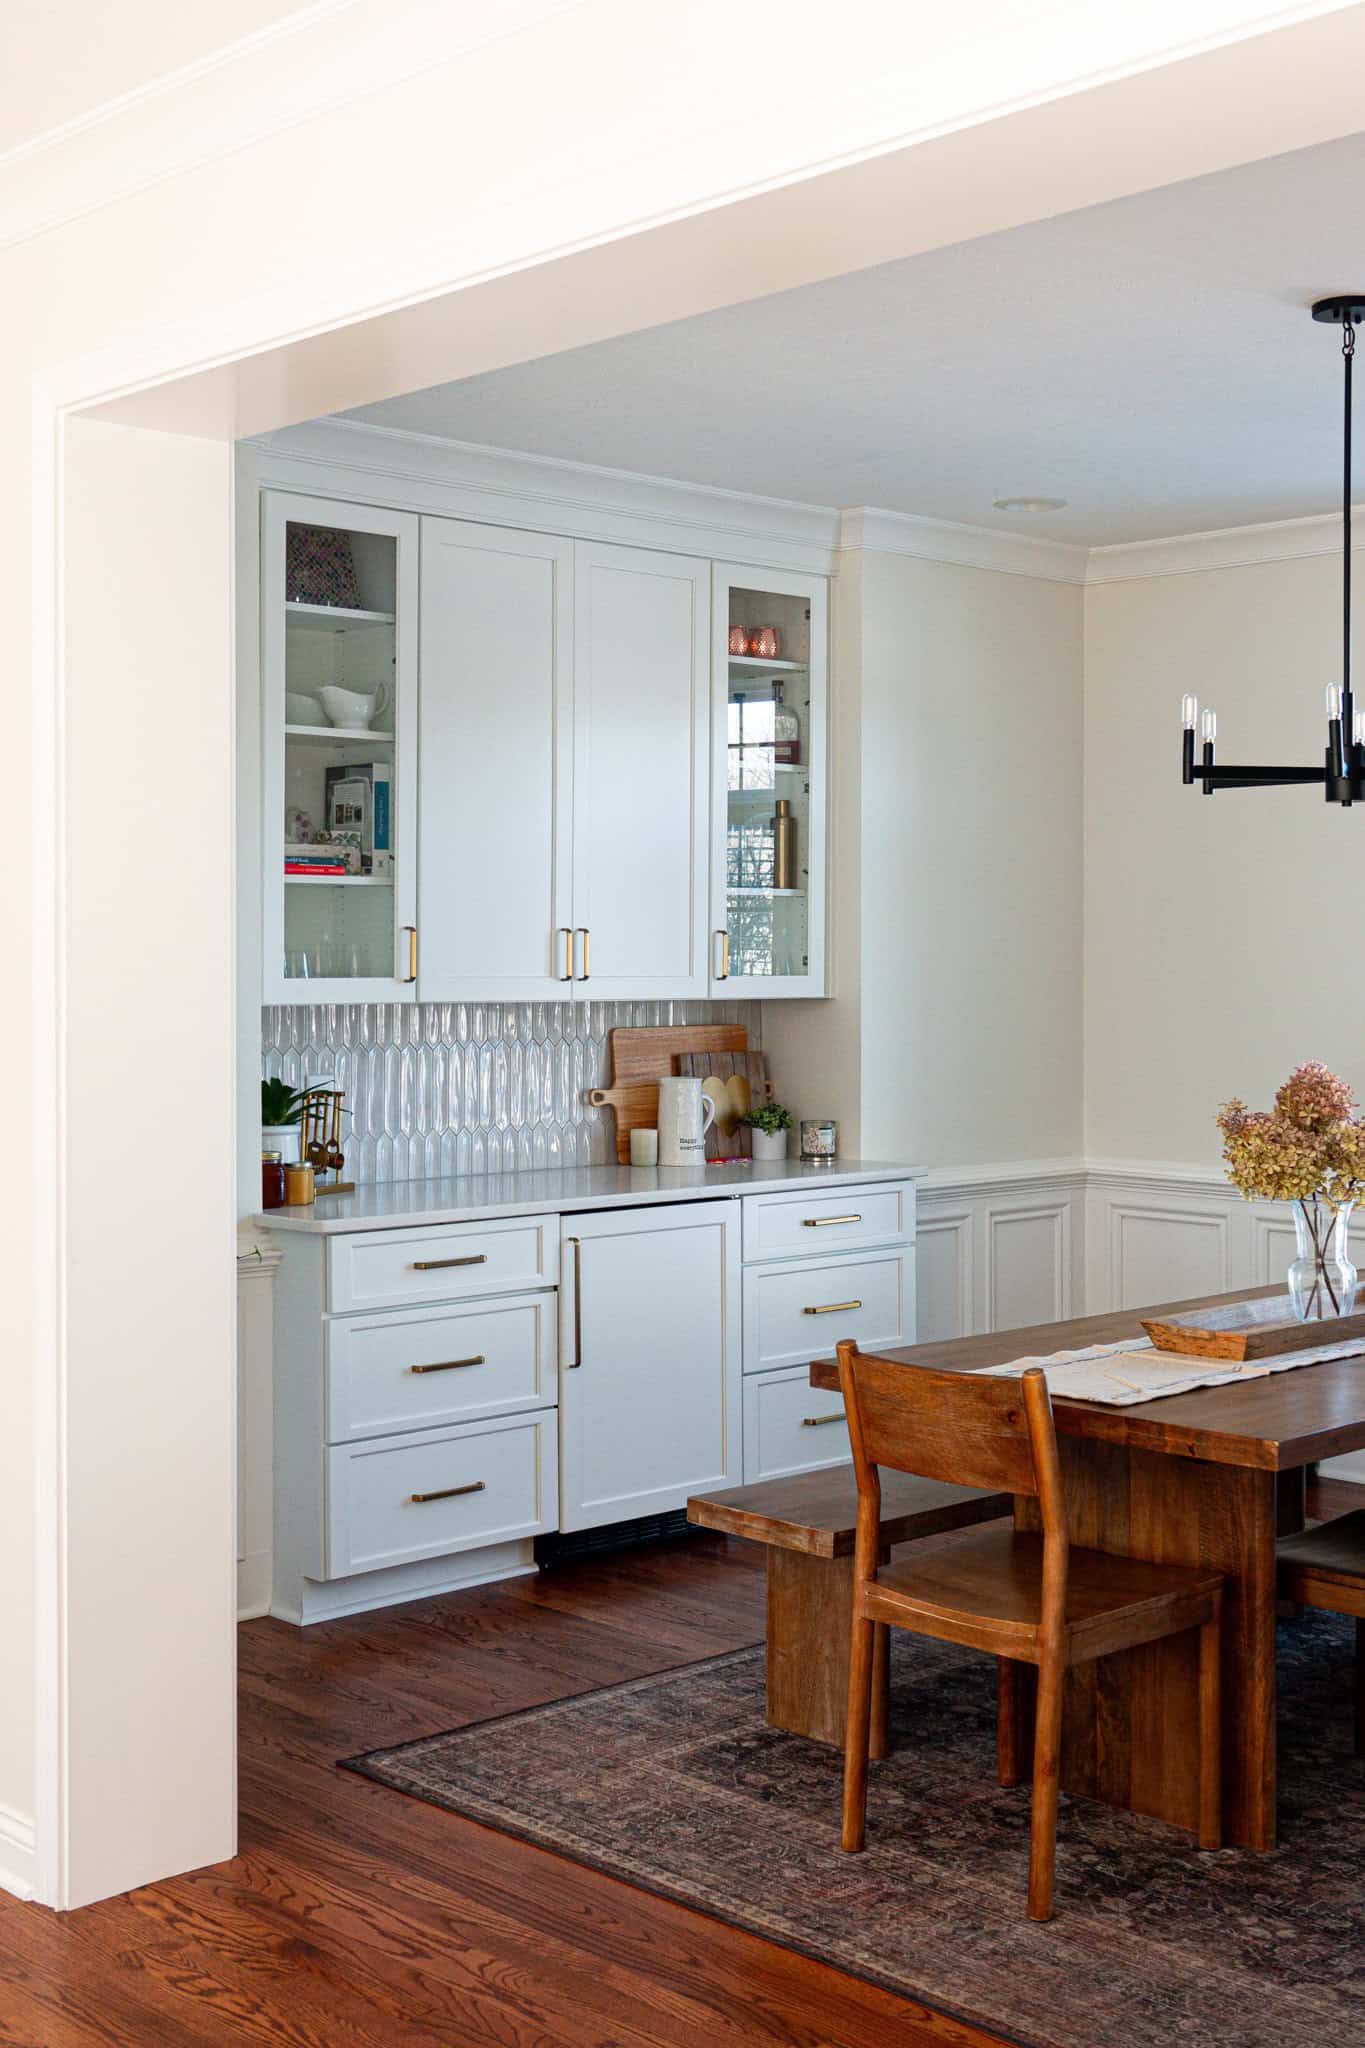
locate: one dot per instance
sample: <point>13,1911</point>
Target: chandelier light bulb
<point>1359,734</point>
<point>1189,712</point>
<point>1334,700</point>
<point>1208,728</point>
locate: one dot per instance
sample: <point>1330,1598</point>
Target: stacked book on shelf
<point>319,860</point>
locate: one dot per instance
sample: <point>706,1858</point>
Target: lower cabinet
<point>650,1359</point>
<point>393,1500</point>
<point>788,1427</point>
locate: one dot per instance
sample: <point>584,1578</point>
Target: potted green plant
<point>281,1111</point>
<point>770,1123</point>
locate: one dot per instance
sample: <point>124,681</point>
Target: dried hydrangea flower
<point>1314,1098</point>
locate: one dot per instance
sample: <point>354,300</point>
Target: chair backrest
<point>955,1427</point>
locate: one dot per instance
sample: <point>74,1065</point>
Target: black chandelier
<point>1343,771</point>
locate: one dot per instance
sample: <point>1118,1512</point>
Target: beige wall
<point>954,1037</point>
<point>1220,931</point>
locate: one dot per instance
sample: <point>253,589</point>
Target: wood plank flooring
<point>355,1918</point>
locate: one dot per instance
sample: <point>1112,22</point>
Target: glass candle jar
<point>819,1138</point>
<point>739,640</point>
<point>765,642</point>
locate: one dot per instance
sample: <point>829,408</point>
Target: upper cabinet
<point>769,638</point>
<point>339,694</point>
<point>566,768</point>
<point>641,773</point>
<point>496,780</point>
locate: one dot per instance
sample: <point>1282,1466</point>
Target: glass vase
<point>1322,1280</point>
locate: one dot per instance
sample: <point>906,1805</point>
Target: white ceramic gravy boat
<point>353,710</point>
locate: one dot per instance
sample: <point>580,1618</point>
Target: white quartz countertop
<point>466,1198</point>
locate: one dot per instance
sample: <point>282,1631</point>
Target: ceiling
<point>1151,361</point>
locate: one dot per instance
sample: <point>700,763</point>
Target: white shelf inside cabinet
<point>333,736</point>
<point>765,892</point>
<point>338,881</point>
<point>753,664</point>
<point>331,618</point>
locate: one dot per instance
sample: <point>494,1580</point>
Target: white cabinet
<point>641,771</point>
<point>769,634</point>
<point>495,788</point>
<point>650,1399</point>
<point>339,750</point>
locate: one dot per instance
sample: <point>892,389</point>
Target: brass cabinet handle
<point>572,1364</point>
<point>823,1222</point>
<point>724,972</point>
<point>436,1265</point>
<point>567,975</point>
<point>818,1421</point>
<point>411,931</point>
<point>447,1492</point>
<point>450,1364</point>
<point>586,937</point>
<point>833,1308</point>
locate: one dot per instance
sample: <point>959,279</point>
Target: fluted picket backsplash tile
<point>440,1088</point>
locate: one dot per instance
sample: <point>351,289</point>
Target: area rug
<point>675,1783</point>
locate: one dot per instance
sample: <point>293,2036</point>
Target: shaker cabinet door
<point>641,772</point>
<point>650,1369</point>
<point>496,780</point>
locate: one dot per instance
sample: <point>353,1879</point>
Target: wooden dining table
<point>1212,1478</point>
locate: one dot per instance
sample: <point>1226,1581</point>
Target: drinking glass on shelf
<point>296,965</point>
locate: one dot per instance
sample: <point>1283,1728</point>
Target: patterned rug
<point>675,1783</point>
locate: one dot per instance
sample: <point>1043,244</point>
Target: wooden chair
<point>1325,1568</point>
<point>1023,1598</point>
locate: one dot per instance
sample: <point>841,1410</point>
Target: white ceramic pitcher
<point>685,1116</point>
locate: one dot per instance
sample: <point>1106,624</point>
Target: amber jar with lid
<point>272,1181</point>
<point>299,1185</point>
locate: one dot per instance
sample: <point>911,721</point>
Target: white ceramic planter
<point>769,1145</point>
<point>281,1138</point>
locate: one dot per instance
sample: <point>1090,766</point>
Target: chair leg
<point>856,1736</point>
<point>1360,1688</point>
<point>1009,1722</point>
<point>1210,1734</point>
<point>1047,1741</point>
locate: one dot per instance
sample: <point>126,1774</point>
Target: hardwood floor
<point>356,1918</point>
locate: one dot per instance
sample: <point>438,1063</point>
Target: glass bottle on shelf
<point>786,732</point>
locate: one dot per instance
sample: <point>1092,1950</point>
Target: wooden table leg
<point>1131,1722</point>
<point>810,1616</point>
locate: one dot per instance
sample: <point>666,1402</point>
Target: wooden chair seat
<point>1325,1568</point>
<point>992,1584</point>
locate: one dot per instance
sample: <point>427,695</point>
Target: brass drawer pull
<point>411,931</point>
<point>447,1492</point>
<point>567,975</point>
<point>436,1265</point>
<point>586,937</point>
<point>823,1222</point>
<point>833,1308</point>
<point>572,1364</point>
<point>450,1364</point>
<point>817,1421</point>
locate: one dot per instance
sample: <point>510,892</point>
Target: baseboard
<point>253,1585</point>
<point>18,1854</point>
<point>331,1600</point>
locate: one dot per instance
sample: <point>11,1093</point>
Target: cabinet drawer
<point>812,1223</point>
<point>789,1427</point>
<point>444,1262</point>
<point>485,1482</point>
<point>422,1368</point>
<point>794,1313</point>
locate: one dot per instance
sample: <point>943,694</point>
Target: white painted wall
<point>1220,932</point>
<point>954,1036</point>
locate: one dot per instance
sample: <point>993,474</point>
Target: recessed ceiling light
<point>1031,504</point>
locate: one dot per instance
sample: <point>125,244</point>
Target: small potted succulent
<point>281,1113</point>
<point>769,1123</point>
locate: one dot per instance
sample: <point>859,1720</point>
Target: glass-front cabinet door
<point>339,671</point>
<point>770,634</point>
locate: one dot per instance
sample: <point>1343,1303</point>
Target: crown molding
<point>321,57</point>
<point>463,480</point>
<point>966,547</point>
<point>1222,547</point>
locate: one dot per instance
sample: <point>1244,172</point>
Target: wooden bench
<point>807,1524</point>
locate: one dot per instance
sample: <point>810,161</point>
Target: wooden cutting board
<point>1243,1330</point>
<point>736,1082</point>
<point>641,1055</point>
